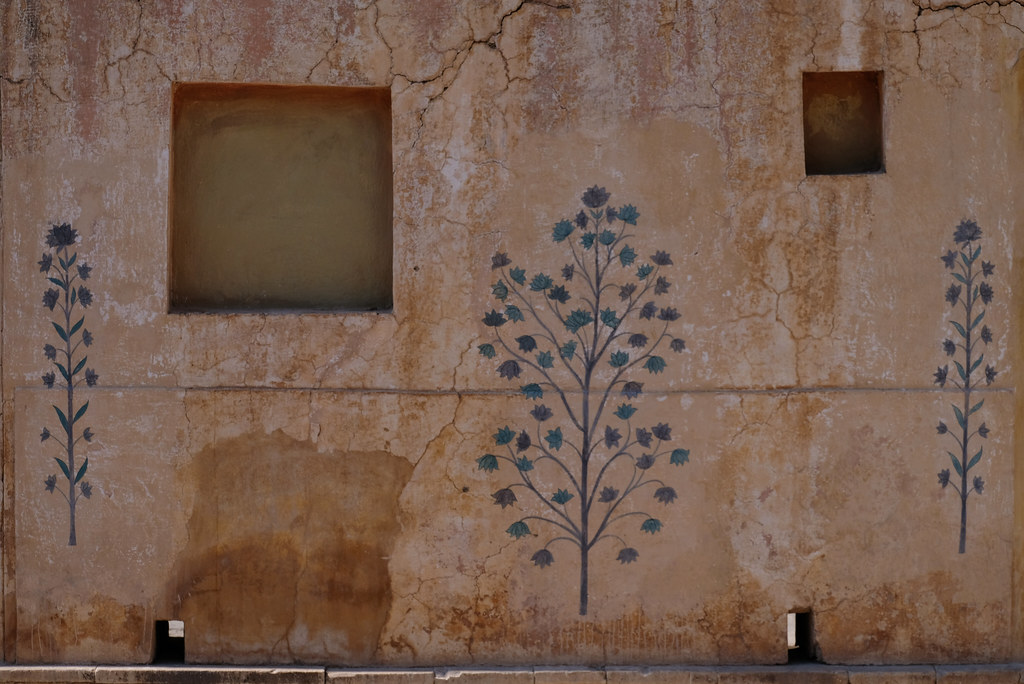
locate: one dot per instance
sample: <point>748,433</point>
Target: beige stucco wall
<point>304,488</point>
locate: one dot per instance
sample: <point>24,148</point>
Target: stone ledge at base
<point>1011,673</point>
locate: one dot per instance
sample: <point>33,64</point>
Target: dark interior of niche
<point>842,116</point>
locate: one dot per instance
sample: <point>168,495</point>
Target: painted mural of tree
<point>968,293</point>
<point>581,337</point>
<point>69,359</point>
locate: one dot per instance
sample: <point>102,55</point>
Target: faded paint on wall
<point>810,310</point>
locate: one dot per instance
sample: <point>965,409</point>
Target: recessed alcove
<point>842,121</point>
<point>281,198</point>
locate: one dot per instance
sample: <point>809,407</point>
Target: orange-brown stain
<point>287,554</point>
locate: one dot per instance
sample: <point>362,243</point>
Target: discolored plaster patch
<point>77,631</point>
<point>287,550</point>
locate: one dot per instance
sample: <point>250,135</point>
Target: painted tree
<point>581,337</point>
<point>968,293</point>
<point>69,359</point>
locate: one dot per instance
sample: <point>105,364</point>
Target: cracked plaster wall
<point>811,307</point>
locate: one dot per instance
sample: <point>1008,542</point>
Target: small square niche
<point>843,122</point>
<point>281,198</point>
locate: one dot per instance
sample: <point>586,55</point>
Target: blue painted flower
<point>61,236</point>
<point>50,298</point>
<point>595,197</point>
<point>966,232</point>
<point>627,555</point>
<point>543,558</point>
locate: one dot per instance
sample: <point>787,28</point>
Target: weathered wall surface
<point>304,488</point>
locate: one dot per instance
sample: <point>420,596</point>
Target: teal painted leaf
<point>625,411</point>
<point>562,496</point>
<point>488,462</point>
<point>977,320</point>
<point>618,359</point>
<point>63,419</point>
<point>554,439</point>
<point>679,456</point>
<point>540,282</point>
<point>74,297</point>
<point>80,412</point>
<point>504,436</point>
<point>77,325</point>
<point>64,372</point>
<point>73,259</point>
<point>63,264</point>
<point>961,371</point>
<point>563,229</point>
<point>567,350</point>
<point>518,275</point>
<point>976,407</point>
<point>627,256</point>
<point>644,271</point>
<point>577,319</point>
<point>524,464</point>
<point>487,350</point>
<point>532,391</point>
<point>956,464</point>
<point>545,360</point>
<point>975,458</point>
<point>609,318</point>
<point>60,331</point>
<point>974,366</point>
<point>63,467</point>
<point>959,329</point>
<point>607,238</point>
<point>499,290</point>
<point>58,282</point>
<point>959,416</point>
<point>518,529</point>
<point>655,364</point>
<point>81,364</point>
<point>81,471</point>
<point>514,313</point>
<point>651,525</point>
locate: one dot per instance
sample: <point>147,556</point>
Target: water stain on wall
<point>81,631</point>
<point>287,549</point>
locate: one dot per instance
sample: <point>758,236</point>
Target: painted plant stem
<point>969,292</point>
<point>63,300</point>
<point>582,354</point>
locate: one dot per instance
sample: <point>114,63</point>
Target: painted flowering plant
<point>68,276</point>
<point>578,339</point>
<point>968,293</point>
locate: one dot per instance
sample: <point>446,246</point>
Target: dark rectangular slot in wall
<point>170,642</point>
<point>802,647</point>
<point>842,112</point>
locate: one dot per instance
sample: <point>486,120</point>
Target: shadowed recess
<point>281,198</point>
<point>843,122</point>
